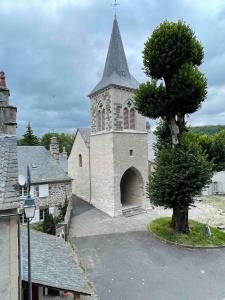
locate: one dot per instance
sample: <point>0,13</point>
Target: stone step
<point>133,211</point>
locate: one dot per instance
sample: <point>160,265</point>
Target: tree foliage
<point>49,223</point>
<point>180,174</point>
<point>64,139</point>
<point>29,139</point>
<point>171,58</point>
<point>208,129</point>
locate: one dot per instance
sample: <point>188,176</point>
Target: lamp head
<point>29,207</point>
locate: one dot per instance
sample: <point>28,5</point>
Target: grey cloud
<point>54,53</point>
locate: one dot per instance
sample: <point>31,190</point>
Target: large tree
<point>29,139</point>
<point>177,88</point>
<point>65,140</point>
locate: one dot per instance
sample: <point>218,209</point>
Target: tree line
<point>30,139</point>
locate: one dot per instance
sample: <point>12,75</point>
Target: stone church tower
<point>118,141</point>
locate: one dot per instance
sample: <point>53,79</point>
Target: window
<point>23,191</point>
<point>43,212</point>
<point>126,118</point>
<point>103,119</point>
<point>80,160</point>
<point>132,118</point>
<point>43,190</point>
<point>99,120</point>
<point>129,115</point>
<point>215,187</point>
<point>23,219</point>
<point>131,152</point>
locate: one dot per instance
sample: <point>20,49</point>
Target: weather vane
<point>115,4</point>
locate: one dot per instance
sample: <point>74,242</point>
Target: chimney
<point>54,148</point>
<point>64,153</point>
<point>7,112</point>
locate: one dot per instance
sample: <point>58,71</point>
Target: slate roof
<point>8,173</point>
<point>85,134</point>
<point>63,161</point>
<point>42,165</point>
<point>116,70</point>
<point>53,263</point>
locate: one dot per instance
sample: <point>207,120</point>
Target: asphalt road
<point>136,266</point>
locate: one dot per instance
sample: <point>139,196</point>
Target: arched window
<point>99,120</point>
<point>125,118</point>
<point>103,119</point>
<point>132,118</point>
<point>80,160</point>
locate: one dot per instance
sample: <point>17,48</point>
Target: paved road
<point>136,266</point>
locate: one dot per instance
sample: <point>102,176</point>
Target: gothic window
<point>80,160</point>
<point>129,115</point>
<point>103,119</point>
<point>132,118</point>
<point>99,120</point>
<point>125,118</point>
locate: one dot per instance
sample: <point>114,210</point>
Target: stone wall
<point>8,258</point>
<point>80,175</point>
<point>58,192</point>
<point>102,172</point>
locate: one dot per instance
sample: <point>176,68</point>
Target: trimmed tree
<point>29,139</point>
<point>49,224</point>
<point>171,58</point>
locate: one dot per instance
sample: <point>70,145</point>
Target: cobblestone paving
<point>89,221</point>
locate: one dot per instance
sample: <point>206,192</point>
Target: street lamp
<point>29,211</point>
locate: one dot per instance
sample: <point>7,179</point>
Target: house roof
<point>85,134</point>
<point>116,71</point>
<point>63,161</point>
<point>9,197</point>
<point>53,263</point>
<point>44,168</point>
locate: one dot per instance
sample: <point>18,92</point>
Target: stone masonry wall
<point>57,194</point>
<point>102,172</point>
<point>80,175</point>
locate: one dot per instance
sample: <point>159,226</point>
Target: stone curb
<point>181,245</point>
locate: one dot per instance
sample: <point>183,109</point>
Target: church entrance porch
<point>131,188</point>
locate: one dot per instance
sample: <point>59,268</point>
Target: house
<point>50,184</point>
<point>9,197</point>
<point>105,161</point>
<point>217,187</point>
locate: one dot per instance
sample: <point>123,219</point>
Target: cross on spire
<point>115,4</point>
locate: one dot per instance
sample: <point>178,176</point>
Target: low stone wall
<point>62,229</point>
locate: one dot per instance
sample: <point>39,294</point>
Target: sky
<point>53,53</point>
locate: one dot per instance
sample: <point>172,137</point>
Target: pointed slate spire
<point>116,71</point>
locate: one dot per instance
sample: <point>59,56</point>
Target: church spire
<point>116,71</point>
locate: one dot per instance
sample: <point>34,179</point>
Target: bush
<point>49,224</point>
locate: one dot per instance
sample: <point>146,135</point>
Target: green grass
<point>161,228</point>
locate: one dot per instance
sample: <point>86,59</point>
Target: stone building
<point>50,184</point>
<point>110,165</point>
<point>9,198</point>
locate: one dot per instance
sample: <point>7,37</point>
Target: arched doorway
<point>131,188</point>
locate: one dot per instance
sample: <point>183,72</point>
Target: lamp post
<point>29,211</point>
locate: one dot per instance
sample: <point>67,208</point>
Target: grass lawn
<point>161,228</point>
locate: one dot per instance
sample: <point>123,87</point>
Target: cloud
<point>53,53</point>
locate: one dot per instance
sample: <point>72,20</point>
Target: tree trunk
<point>174,129</point>
<point>180,220</point>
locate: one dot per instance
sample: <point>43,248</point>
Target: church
<point>109,162</point>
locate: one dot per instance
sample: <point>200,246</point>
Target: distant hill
<point>208,129</point>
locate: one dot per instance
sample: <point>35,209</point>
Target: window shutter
<point>43,190</point>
